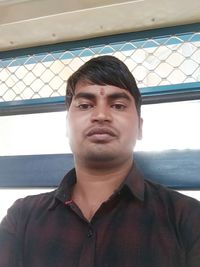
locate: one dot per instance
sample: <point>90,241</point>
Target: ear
<point>140,126</point>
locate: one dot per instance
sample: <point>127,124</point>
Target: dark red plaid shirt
<point>141,225</point>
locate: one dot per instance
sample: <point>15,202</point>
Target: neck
<point>96,185</point>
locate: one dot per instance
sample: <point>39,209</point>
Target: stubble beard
<point>101,157</point>
<point>101,153</point>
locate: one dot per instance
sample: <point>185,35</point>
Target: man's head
<point>104,70</point>
<point>103,104</point>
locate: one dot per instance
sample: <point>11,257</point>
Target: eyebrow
<point>84,95</point>
<point>122,95</point>
<point>112,96</point>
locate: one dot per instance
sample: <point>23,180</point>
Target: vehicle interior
<point>44,41</point>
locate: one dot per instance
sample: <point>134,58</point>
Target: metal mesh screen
<point>153,61</point>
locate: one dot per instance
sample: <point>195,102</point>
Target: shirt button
<point>90,233</point>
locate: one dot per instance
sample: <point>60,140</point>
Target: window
<point>160,62</point>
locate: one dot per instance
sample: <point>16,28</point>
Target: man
<point>103,213</point>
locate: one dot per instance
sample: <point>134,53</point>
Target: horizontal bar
<point>168,31</point>
<point>171,97</point>
<point>30,106</point>
<point>171,93</point>
<point>178,169</point>
<point>99,45</point>
<point>150,95</point>
<point>171,88</point>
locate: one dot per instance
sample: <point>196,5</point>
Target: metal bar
<point>150,95</point>
<point>173,97</point>
<point>30,106</point>
<point>114,40</point>
<point>173,168</point>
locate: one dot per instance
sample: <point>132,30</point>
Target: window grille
<point>154,61</point>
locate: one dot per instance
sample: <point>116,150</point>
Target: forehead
<point>100,90</point>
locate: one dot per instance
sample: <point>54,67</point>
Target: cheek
<point>76,128</point>
<point>130,129</point>
<point>71,126</point>
<point>73,129</point>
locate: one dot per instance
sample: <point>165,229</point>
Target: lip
<point>101,131</point>
<point>101,135</point>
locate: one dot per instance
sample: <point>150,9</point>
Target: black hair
<point>104,70</point>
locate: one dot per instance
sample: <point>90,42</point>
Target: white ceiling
<point>9,2</point>
<point>26,23</point>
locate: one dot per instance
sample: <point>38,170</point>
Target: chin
<point>101,156</point>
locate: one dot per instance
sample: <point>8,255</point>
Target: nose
<point>101,113</point>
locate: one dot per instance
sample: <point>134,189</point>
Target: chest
<point>119,236</point>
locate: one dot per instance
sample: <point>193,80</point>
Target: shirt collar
<point>63,192</point>
<point>134,181</point>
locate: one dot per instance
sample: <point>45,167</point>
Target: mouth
<point>100,131</point>
<point>101,135</point>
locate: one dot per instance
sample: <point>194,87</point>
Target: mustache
<point>101,130</point>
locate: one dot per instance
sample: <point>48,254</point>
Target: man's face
<point>103,123</point>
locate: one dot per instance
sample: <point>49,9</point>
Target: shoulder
<point>183,212</point>
<point>34,201</point>
<point>37,201</point>
<point>166,193</point>
<point>25,207</point>
<point>170,198</point>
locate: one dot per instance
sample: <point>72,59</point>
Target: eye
<point>85,106</point>
<point>118,106</point>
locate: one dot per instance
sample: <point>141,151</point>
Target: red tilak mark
<point>68,202</point>
<point>102,92</point>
